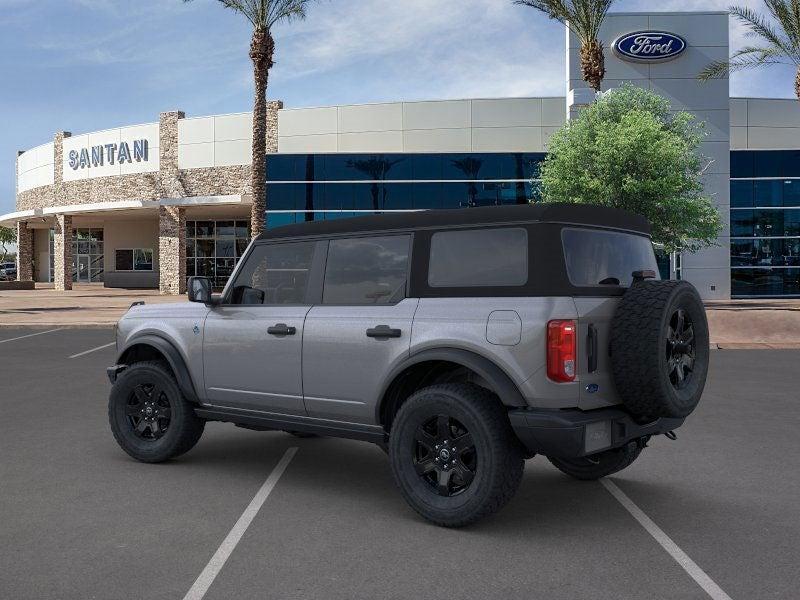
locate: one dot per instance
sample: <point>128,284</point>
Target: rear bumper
<point>573,433</point>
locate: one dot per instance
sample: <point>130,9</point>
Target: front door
<point>361,330</point>
<point>83,268</point>
<point>252,344</point>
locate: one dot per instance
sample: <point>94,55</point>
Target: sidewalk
<point>87,305</point>
<point>733,324</point>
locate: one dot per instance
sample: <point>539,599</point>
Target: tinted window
<point>479,257</point>
<point>366,270</point>
<point>274,274</point>
<point>594,257</point>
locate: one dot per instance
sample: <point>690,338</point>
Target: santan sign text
<point>97,156</point>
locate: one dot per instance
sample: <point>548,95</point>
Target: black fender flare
<point>176,362</point>
<point>497,378</point>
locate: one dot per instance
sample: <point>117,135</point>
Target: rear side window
<point>274,274</point>
<point>370,270</point>
<point>596,257</point>
<point>479,258</point>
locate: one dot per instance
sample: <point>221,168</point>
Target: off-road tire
<point>498,461</point>
<point>184,427</point>
<point>640,348</point>
<point>598,465</point>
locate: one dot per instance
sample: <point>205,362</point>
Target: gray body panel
<point>246,367</point>
<point>344,370</point>
<point>597,312</point>
<point>466,323</point>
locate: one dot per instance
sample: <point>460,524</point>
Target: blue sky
<point>84,65</point>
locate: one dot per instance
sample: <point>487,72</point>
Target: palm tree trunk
<point>262,48</point>
<point>797,84</point>
<point>593,64</point>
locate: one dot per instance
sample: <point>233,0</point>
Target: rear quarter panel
<point>462,323</point>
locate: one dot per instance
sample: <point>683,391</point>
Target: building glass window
<point>133,259</point>
<point>214,247</point>
<point>765,223</point>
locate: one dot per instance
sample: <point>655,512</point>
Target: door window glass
<point>479,257</point>
<point>371,270</point>
<point>274,274</point>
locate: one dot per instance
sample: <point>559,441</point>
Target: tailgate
<point>594,363</point>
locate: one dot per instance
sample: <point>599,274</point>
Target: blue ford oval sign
<point>649,46</point>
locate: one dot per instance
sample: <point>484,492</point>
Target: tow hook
<point>671,435</point>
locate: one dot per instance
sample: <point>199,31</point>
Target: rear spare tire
<point>659,348</point>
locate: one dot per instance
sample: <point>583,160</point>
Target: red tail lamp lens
<point>561,350</point>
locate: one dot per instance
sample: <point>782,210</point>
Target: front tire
<point>149,417</point>
<point>590,468</point>
<point>454,455</point>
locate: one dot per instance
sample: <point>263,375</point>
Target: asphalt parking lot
<point>79,519</point>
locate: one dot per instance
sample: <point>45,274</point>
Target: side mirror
<point>199,289</point>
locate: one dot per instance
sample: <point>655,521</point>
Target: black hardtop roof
<point>577,214</point>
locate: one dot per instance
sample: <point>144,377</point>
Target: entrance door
<point>252,344</point>
<point>83,268</point>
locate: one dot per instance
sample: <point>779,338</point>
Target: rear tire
<point>149,417</point>
<point>590,468</point>
<point>454,455</point>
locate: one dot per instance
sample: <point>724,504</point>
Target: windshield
<point>597,257</point>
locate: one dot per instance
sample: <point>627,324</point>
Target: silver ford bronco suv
<point>463,342</point>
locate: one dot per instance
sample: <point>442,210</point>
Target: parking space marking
<point>206,578</point>
<point>85,352</point>
<point>688,565</point>
<point>22,337</point>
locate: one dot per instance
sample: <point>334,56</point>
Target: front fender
<point>173,356</point>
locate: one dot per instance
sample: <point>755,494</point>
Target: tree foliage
<point>628,151</point>
<point>8,236</point>
<point>778,40</point>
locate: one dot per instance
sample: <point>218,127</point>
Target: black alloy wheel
<point>680,349</point>
<point>148,411</point>
<point>444,455</point>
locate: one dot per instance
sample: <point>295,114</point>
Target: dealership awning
<point>11,219</point>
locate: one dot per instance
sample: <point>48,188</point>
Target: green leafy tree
<point>584,19</point>
<point>628,151</point>
<point>263,15</point>
<point>778,40</point>
<point>8,236</point>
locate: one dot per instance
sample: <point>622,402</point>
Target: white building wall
<point>706,34</point>
<point>87,141</point>
<point>765,124</point>
<point>35,167</point>
<point>215,141</point>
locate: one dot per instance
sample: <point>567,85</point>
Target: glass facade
<point>307,187</point>
<point>87,255</point>
<point>765,223</point>
<point>214,247</point>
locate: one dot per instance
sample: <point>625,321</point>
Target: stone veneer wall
<point>24,252</point>
<point>171,250</point>
<point>62,250</point>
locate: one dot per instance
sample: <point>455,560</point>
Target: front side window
<point>274,274</point>
<point>133,259</point>
<point>370,270</point>
<point>596,257</point>
<point>479,258</point>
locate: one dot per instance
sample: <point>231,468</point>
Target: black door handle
<point>281,329</point>
<point>383,331</point>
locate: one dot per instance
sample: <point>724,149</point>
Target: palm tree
<point>584,19</point>
<point>262,15</point>
<point>780,42</point>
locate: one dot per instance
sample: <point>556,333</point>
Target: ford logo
<point>649,46</point>
<point>592,388</point>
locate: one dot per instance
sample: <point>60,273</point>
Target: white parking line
<point>206,578</point>
<point>85,352</point>
<point>688,565</point>
<point>22,337</point>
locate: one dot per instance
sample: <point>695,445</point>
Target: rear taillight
<point>561,350</point>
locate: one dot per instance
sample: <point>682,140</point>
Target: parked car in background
<point>8,271</point>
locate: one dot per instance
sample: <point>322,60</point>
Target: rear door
<point>252,345</point>
<point>601,264</point>
<point>362,328</point>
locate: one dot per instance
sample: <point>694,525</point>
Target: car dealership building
<point>148,205</point>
